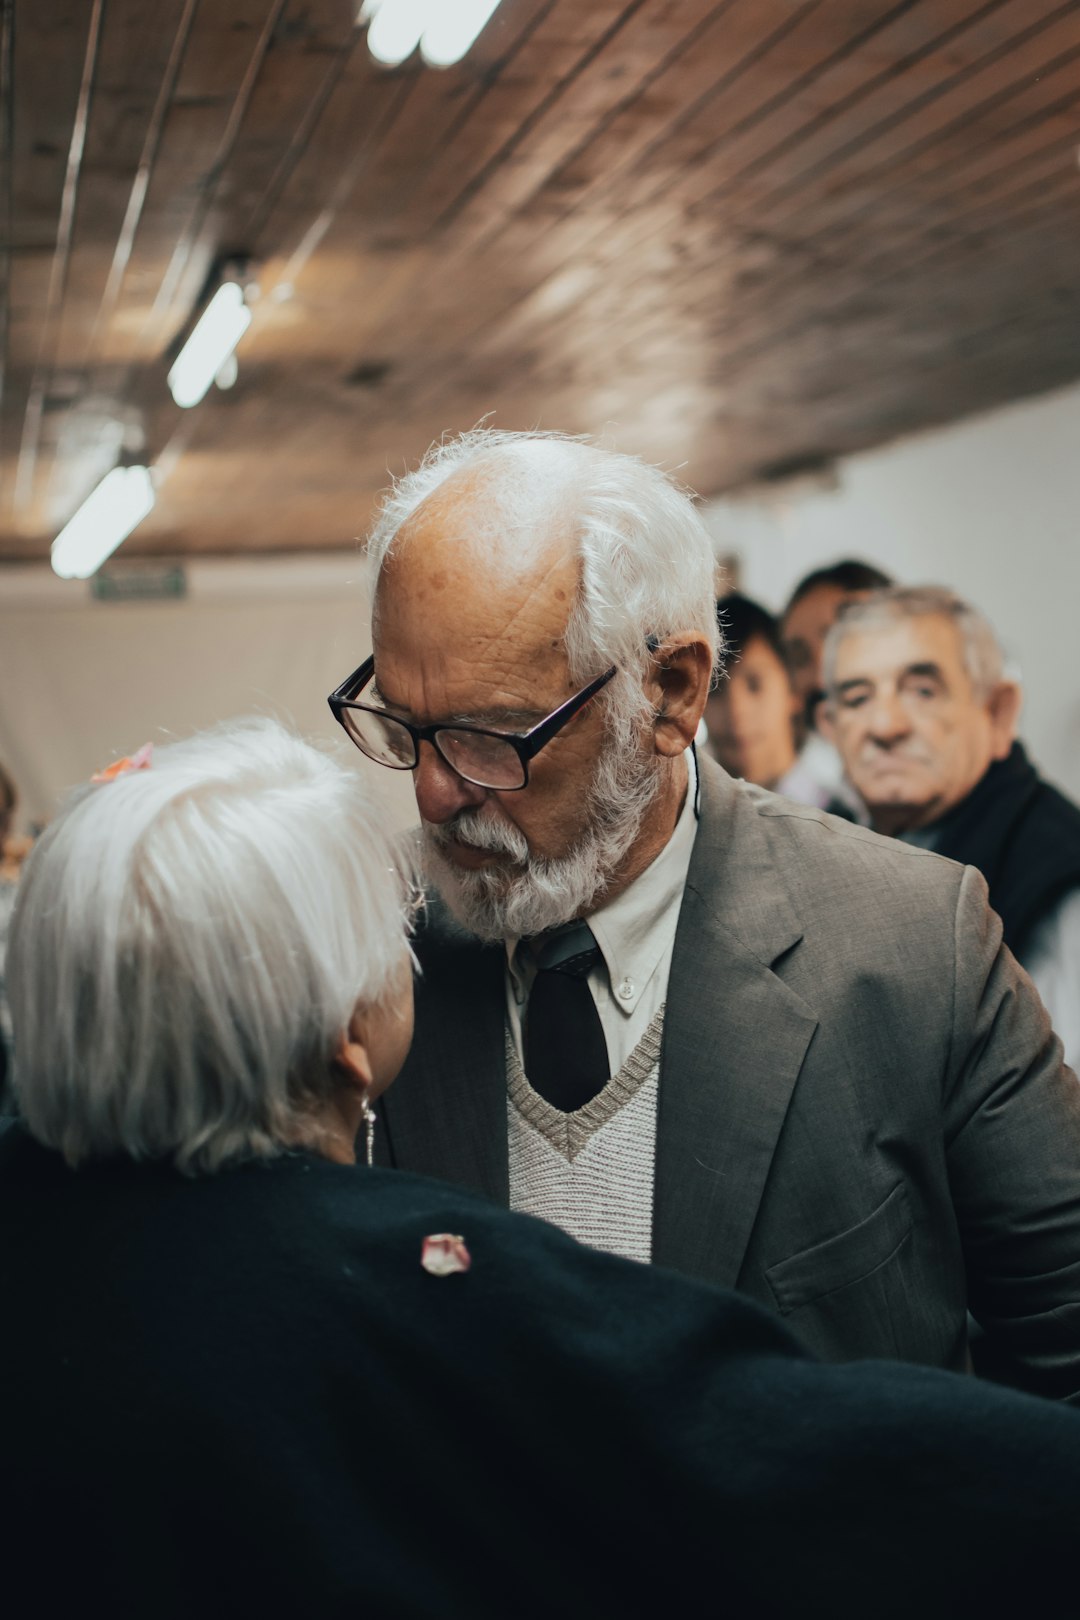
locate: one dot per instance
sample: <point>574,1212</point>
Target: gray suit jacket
<point>864,1120</point>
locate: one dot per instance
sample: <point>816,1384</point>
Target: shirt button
<point>625,991</point>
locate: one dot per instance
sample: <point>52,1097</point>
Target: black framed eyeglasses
<point>489,759</point>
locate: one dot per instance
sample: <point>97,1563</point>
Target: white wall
<point>82,682</point>
<point>990,507</point>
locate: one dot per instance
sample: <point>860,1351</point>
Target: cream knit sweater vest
<point>590,1172</point>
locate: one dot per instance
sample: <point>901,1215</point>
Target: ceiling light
<point>103,521</point>
<point>219,329</point>
<point>454,27</point>
<point>396,29</point>
<point>226,377</point>
<point>443,29</point>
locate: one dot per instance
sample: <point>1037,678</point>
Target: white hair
<point>647,562</point>
<point>189,943</point>
<point>979,646</point>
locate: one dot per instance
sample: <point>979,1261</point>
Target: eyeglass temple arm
<point>365,670</point>
<point>532,742</point>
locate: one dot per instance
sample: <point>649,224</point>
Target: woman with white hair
<point>244,1375</point>
<point>164,1011</point>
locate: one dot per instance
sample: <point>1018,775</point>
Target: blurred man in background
<point>12,851</point>
<point>925,719</point>
<point>804,625</point>
<point>810,615</point>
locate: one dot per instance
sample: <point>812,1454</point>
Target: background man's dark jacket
<point>241,1395</point>
<point>864,1122</point>
<point>1024,837</point>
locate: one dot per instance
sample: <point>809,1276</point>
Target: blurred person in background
<point>246,1375</point>
<point>925,718</point>
<point>12,853</point>
<point>751,711</point>
<point>809,615</point>
<point>804,625</point>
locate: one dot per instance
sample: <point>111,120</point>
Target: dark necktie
<point>566,1056</point>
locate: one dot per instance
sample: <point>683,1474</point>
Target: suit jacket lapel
<point>446,1113</point>
<point>734,1040</point>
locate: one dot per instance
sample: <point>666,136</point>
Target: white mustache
<point>480,831</point>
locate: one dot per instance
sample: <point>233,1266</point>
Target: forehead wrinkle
<point>502,614</point>
<point>500,698</point>
<point>540,615</point>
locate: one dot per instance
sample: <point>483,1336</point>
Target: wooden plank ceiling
<point>736,236</point>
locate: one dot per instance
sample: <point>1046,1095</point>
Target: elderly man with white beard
<point>688,1021</point>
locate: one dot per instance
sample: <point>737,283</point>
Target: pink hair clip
<point>139,761</point>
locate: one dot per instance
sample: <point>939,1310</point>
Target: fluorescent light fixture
<point>396,29</point>
<point>103,521</point>
<point>226,377</point>
<point>443,29</point>
<point>453,29</point>
<point>219,329</point>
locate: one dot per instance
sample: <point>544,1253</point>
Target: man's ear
<point>678,686</point>
<point>1004,711</point>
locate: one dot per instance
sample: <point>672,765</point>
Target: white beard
<point>536,893</point>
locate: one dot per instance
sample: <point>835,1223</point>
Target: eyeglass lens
<point>485,761</point>
<point>381,738</point>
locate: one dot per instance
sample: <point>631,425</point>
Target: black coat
<point>1024,837</point>
<point>243,1395</point>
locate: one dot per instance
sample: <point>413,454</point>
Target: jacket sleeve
<point>1012,1136</point>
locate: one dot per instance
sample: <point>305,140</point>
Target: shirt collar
<point>635,930</point>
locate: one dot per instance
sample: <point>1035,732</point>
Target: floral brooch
<point>443,1253</point>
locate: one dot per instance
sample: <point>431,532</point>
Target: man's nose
<point>889,718</point>
<point>440,791</point>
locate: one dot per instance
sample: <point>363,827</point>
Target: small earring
<point>369,1131</point>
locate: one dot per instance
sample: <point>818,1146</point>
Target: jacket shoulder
<point>834,846</point>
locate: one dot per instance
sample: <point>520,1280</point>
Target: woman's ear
<point>678,687</point>
<point>352,1060</point>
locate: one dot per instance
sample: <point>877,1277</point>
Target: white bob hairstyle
<point>189,943</point>
<point>647,562</point>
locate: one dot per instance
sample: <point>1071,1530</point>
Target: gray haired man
<point>925,719</point>
<point>686,1020</point>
